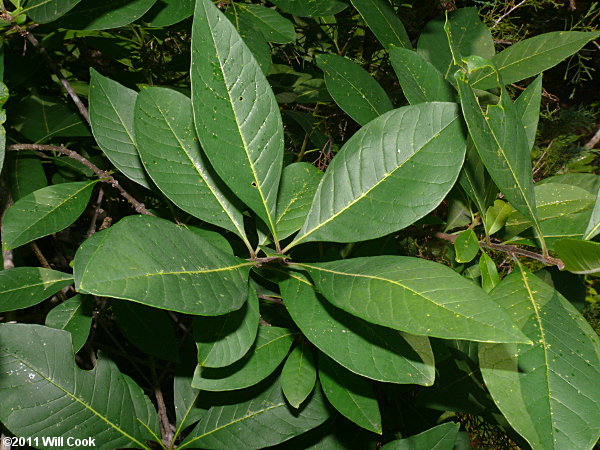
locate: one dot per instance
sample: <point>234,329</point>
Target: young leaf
<point>420,80</point>
<point>353,89</point>
<point>528,108</point>
<point>271,347</point>
<point>532,56</point>
<point>366,349</point>
<point>111,115</point>
<point>169,12</point>
<point>254,418</point>
<point>45,211</point>
<point>496,216</point>
<point>413,295</point>
<point>548,391</point>
<point>351,395</point>
<point>476,181</point>
<point>94,15</point>
<point>75,316</point>
<point>23,287</point>
<point>312,8</point>
<point>383,22</point>
<point>235,111</point>
<point>442,437</point>
<point>403,163</point>
<point>157,263</point>
<point>223,340</point>
<point>466,246</point>
<point>44,11</point>
<point>40,378</point>
<point>272,25</point>
<point>169,149</point>
<point>489,273</point>
<point>299,375</point>
<point>579,256</point>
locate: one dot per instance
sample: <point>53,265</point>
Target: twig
<point>503,16</point>
<point>510,249</point>
<point>32,39</point>
<point>594,140</point>
<point>5,203</point>
<point>97,211</point>
<point>40,256</point>
<point>166,428</point>
<point>103,175</point>
<point>268,298</point>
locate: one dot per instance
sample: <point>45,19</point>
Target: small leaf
<point>299,375</point>
<point>111,115</point>
<point>413,295</point>
<point>271,347</point>
<point>579,256</point>
<point>272,25</point>
<point>184,399</point>
<point>350,394</point>
<point>548,391</point>
<point>312,8</point>
<point>496,216</point>
<point>75,316</point>
<point>25,174</point>
<point>159,264</point>
<point>165,13</point>
<point>94,15</point>
<point>442,437</point>
<point>466,246</point>
<point>489,273</point>
<point>475,180</point>
<point>353,89</point>
<point>23,287</point>
<point>528,108</point>
<point>383,22</point>
<point>45,211</point>
<point>223,340</point>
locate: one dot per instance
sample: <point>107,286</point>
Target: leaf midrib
<point>29,286</point>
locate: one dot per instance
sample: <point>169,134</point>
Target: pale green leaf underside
<point>593,227</point>
<point>22,287</point>
<point>579,256</point>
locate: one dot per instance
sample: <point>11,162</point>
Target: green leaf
<point>528,108</point>
<point>270,348</point>
<point>45,211</point>
<point>40,379</point>
<point>184,399</point>
<point>75,316</point>
<point>157,263</point>
<point>25,173</point>
<point>223,340</point>
<point>588,181</point>
<point>466,246</point>
<point>171,154</point>
<point>258,45</point>
<point>111,114</point>
<point>310,8</point>
<point>579,256</point>
<point>235,111</point>
<point>299,375</point>
<point>299,182</point>
<point>413,295</point>
<point>547,392</point>
<point>468,34</point>
<point>593,227</point>
<point>497,215</point>
<point>383,22</point>
<point>272,25</point>
<point>254,418</point>
<point>94,15</point>
<point>165,13</point>
<point>149,329</point>
<point>476,181</point>
<point>532,56</point>
<point>501,141</point>
<point>351,395</point>
<point>353,89</point>
<point>418,149</point>
<point>489,273</point>
<point>44,11</point>
<point>442,437</point>
<point>366,349</point>
<point>23,287</point>
<point>420,80</point>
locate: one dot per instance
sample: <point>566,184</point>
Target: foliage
<point>298,224</point>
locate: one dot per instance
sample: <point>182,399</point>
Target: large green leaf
<point>414,295</point>
<point>270,348</point>
<point>353,89</point>
<point>235,111</point>
<point>310,8</point>
<point>299,375</point>
<point>383,22</point>
<point>25,174</point>
<point>95,15</point>
<point>388,175</point>
<point>272,25</point>
<point>111,115</point>
<point>532,56</point>
<point>254,418</point>
<point>157,263</point>
<point>75,316</point>
<point>469,37</point>
<point>442,437</point>
<point>45,211</point>
<point>547,391</point>
<point>350,394</point>
<point>223,340</point>
<point>420,80</point>
<point>369,350</point>
<point>44,11</point>
<point>40,379</point>
<point>579,256</point>
<point>170,152</point>
<point>528,108</point>
<point>168,12</point>
<point>23,287</point>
